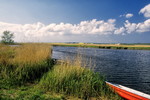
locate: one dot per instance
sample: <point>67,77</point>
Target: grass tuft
<point>72,79</point>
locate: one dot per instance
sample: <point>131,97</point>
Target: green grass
<point>28,92</point>
<point>77,81</point>
<point>27,73</point>
<point>24,64</point>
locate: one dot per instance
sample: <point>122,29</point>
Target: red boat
<point>128,93</point>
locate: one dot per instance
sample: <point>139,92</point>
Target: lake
<point>130,68</point>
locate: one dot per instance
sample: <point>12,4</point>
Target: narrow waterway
<point>130,68</point>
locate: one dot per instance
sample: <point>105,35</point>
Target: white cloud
<point>143,27</point>
<point>129,15</point>
<point>138,28</point>
<point>145,11</point>
<point>39,29</point>
<point>120,30</point>
<point>92,27</point>
<point>130,27</point>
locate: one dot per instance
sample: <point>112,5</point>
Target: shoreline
<point>105,46</point>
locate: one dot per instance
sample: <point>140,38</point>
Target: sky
<point>98,21</point>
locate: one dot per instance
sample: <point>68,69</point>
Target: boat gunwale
<point>136,92</point>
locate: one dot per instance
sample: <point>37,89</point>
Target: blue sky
<point>103,21</point>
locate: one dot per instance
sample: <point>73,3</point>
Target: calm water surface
<point>130,68</point>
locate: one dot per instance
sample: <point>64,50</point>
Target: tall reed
<point>32,53</point>
<point>24,63</point>
<point>6,54</point>
<point>71,78</point>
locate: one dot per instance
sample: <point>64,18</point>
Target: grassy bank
<point>28,73</point>
<point>77,82</point>
<point>106,46</point>
<point>22,64</point>
<point>28,92</point>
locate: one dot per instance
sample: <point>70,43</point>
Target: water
<point>130,68</point>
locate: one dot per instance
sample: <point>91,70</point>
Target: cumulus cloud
<point>39,29</point>
<point>129,15</point>
<point>99,27</point>
<point>143,27</point>
<point>120,30</point>
<point>137,27</point>
<point>130,27</point>
<point>145,11</point>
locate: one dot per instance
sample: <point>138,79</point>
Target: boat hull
<point>128,93</point>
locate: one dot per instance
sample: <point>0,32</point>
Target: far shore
<point>137,46</point>
<point>105,46</point>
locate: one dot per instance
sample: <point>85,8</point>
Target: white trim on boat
<point>131,90</point>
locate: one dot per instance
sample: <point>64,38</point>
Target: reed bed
<point>70,78</point>
<point>31,54</point>
<point>30,62</point>
<point>24,63</point>
<point>6,54</point>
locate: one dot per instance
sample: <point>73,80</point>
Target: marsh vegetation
<point>28,72</point>
<point>105,46</point>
